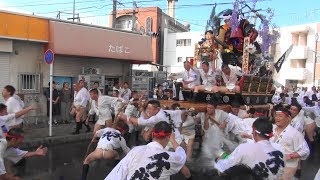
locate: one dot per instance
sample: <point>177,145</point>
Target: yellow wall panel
<point>23,27</point>
<point>38,29</point>
<point>3,24</point>
<point>17,26</point>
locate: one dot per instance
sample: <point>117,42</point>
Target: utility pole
<point>74,10</point>
<point>58,15</point>
<point>114,13</point>
<point>315,59</point>
<point>134,16</point>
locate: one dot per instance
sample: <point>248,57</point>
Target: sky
<point>286,12</point>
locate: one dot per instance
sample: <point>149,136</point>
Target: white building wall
<point>304,76</point>
<point>26,57</point>
<point>172,51</point>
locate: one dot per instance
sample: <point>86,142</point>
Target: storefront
<point>96,53</point>
<point>22,41</point>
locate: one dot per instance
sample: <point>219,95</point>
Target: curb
<point>55,140</point>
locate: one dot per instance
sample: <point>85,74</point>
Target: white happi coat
<point>208,79</point>
<point>188,126</point>
<point>191,75</point>
<point>111,139</point>
<point>261,157</point>
<point>234,125</point>
<point>316,111</point>
<point>219,115</point>
<point>12,154</point>
<point>131,110</point>
<point>163,115</point>
<point>150,161</point>
<point>13,106</point>
<point>298,121</point>
<point>232,78</point>
<point>288,141</point>
<point>81,98</point>
<point>125,94</point>
<point>102,108</point>
<point>188,129</point>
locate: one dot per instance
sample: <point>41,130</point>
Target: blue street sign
<point>49,56</point>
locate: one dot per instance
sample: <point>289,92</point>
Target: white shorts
<point>293,163</point>
<point>103,118</point>
<point>186,138</point>
<point>208,88</point>
<point>14,154</point>
<point>102,122</point>
<point>105,146</point>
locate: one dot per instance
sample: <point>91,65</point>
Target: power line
<point>52,4</point>
<point>93,7</point>
<point>149,10</point>
<point>61,3</point>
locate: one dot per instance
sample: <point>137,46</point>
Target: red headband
<point>120,129</point>
<point>267,135</point>
<point>286,113</point>
<point>160,134</point>
<point>259,114</point>
<point>11,136</point>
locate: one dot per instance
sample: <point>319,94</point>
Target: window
<point>149,24</point>
<point>29,83</point>
<point>298,63</point>
<point>179,59</point>
<point>183,42</point>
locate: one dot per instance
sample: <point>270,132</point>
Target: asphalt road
<point>64,162</point>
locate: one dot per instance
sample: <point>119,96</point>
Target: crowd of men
<point>158,141</point>
<point>207,78</point>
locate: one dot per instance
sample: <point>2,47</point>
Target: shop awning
<point>91,41</point>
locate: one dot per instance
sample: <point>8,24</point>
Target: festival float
<point>240,37</point>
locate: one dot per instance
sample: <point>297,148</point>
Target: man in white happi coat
<point>260,156</point>
<point>230,78</point>
<point>80,103</point>
<point>5,117</point>
<point>303,123</point>
<point>9,149</point>
<point>290,141</point>
<point>188,133</point>
<point>101,106</point>
<point>13,105</point>
<point>190,78</point>
<point>297,117</point>
<point>214,117</point>
<point>151,161</point>
<point>110,140</point>
<point>237,111</point>
<point>208,80</point>
<point>314,110</point>
<point>125,92</point>
<point>236,127</point>
<point>153,115</point>
<point>214,123</point>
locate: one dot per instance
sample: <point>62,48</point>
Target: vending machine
<point>143,80</point>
